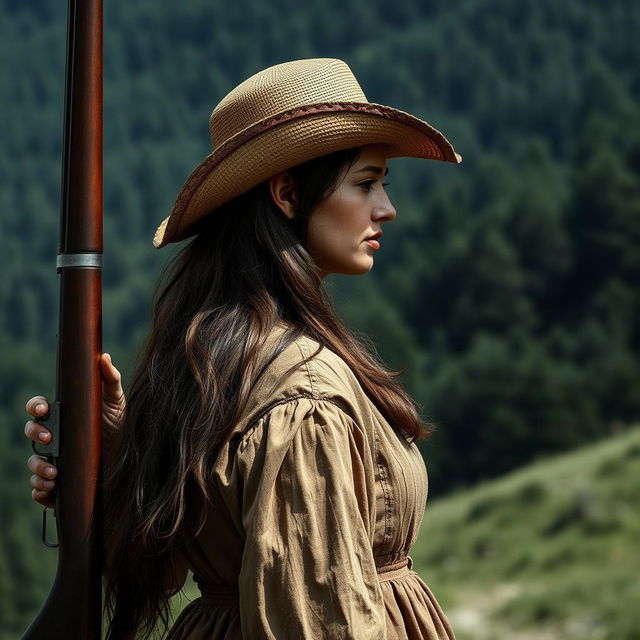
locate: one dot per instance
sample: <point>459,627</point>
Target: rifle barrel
<point>73,607</point>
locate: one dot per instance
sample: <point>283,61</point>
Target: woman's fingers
<point>37,406</point>
<point>36,432</point>
<point>40,467</point>
<point>42,481</point>
<point>44,498</point>
<point>41,484</point>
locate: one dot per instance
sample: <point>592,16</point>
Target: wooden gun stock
<point>73,609</point>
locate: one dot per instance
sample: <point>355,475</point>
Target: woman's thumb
<point>110,375</point>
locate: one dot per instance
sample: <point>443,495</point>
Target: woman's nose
<point>385,211</point>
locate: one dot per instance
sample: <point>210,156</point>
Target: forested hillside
<point>508,285</point>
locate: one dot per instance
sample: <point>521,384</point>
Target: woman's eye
<point>368,184</point>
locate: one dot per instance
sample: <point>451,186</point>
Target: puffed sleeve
<point>308,569</point>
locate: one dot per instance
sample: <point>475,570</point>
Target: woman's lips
<point>374,244</point>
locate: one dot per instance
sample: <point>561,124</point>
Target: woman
<point>261,445</point>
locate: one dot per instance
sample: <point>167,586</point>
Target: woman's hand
<point>44,473</point>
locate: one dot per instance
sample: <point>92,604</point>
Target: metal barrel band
<point>78,261</point>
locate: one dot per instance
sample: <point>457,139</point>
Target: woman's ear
<point>282,187</point>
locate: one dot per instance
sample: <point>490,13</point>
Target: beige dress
<point>319,502</point>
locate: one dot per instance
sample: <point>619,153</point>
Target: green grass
<point>549,551</point>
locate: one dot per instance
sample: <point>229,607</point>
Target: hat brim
<point>291,138</point>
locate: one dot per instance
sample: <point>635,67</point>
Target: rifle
<point>73,608</point>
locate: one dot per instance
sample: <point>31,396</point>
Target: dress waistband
<point>395,570</point>
<point>219,595</point>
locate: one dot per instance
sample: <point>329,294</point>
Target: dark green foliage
<point>532,493</point>
<point>508,286</point>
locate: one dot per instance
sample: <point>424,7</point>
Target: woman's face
<point>341,224</point>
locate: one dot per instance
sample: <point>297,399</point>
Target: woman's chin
<point>359,268</point>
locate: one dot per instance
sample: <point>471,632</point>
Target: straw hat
<point>286,115</point>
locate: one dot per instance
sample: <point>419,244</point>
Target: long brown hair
<point>245,270</point>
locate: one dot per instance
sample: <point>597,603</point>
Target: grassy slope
<point>549,551</point>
